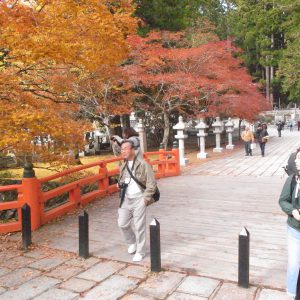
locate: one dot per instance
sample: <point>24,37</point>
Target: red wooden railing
<point>165,163</point>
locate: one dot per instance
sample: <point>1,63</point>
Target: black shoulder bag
<point>156,194</point>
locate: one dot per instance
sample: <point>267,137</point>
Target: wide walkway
<point>201,214</point>
<point>277,153</point>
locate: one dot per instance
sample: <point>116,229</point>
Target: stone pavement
<point>201,214</point>
<point>41,275</point>
<point>277,153</point>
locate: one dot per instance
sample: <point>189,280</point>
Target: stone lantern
<point>180,127</point>
<point>142,136</point>
<point>133,120</point>
<point>217,131</point>
<point>229,129</point>
<point>202,134</point>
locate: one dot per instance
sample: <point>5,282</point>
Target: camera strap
<point>128,169</point>
<point>135,179</point>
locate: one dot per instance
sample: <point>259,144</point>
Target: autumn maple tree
<point>54,56</point>
<point>197,81</point>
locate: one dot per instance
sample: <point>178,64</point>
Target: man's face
<point>127,151</point>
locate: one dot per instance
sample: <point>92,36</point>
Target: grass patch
<point>43,170</point>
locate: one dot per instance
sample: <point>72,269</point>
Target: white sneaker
<point>138,257</point>
<point>132,248</point>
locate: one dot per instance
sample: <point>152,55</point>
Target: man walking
<point>291,125</point>
<point>248,138</point>
<point>279,125</point>
<point>262,137</point>
<point>134,199</point>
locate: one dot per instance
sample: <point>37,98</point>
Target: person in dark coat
<point>289,202</point>
<point>279,127</point>
<point>262,137</point>
<point>291,168</point>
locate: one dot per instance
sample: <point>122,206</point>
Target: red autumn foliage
<point>207,80</point>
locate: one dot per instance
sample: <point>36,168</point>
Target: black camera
<point>122,186</point>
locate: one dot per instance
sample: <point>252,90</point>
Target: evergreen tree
<point>258,29</point>
<point>289,66</point>
<point>177,15</point>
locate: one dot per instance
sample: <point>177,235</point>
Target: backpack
<point>293,185</point>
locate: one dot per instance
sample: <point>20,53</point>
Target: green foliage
<point>175,15</point>
<point>257,27</point>
<point>165,14</point>
<point>268,32</point>
<point>289,66</point>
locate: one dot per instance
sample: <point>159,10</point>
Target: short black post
<point>155,252</point>
<point>84,235</point>
<point>244,258</point>
<point>298,288</point>
<point>26,226</point>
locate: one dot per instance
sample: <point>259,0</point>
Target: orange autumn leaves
<point>48,49</point>
<point>80,33</point>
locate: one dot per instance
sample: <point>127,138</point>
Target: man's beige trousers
<point>133,210</point>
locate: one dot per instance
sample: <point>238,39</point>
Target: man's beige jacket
<point>143,173</point>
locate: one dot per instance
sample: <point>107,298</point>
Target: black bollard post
<point>298,288</point>
<point>244,257</point>
<point>26,226</point>
<point>84,235</point>
<point>155,252</point>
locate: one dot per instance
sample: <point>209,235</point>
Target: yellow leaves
<point>82,33</point>
<point>61,50</point>
<point>20,125</point>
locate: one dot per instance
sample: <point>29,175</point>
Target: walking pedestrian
<point>279,125</point>
<point>291,168</point>
<point>248,138</point>
<point>134,199</point>
<point>298,124</point>
<point>262,137</point>
<point>291,124</point>
<point>289,202</point>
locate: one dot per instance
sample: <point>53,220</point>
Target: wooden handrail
<point>30,191</point>
<point>7,188</point>
<point>78,169</point>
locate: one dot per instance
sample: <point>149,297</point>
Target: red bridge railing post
<point>104,183</point>
<point>175,151</point>
<point>162,160</point>
<point>31,195</point>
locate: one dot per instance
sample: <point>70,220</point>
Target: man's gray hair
<point>129,142</point>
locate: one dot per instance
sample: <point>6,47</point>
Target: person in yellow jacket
<point>248,138</point>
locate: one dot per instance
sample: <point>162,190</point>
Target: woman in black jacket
<point>262,137</point>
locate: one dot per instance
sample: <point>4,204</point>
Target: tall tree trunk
<point>271,73</point>
<point>268,83</point>
<point>166,129</point>
<point>125,121</point>
<point>240,123</point>
<point>271,89</point>
<point>109,133</point>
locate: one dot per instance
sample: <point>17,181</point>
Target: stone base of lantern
<point>230,147</point>
<point>217,149</point>
<point>201,155</point>
<point>184,162</point>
